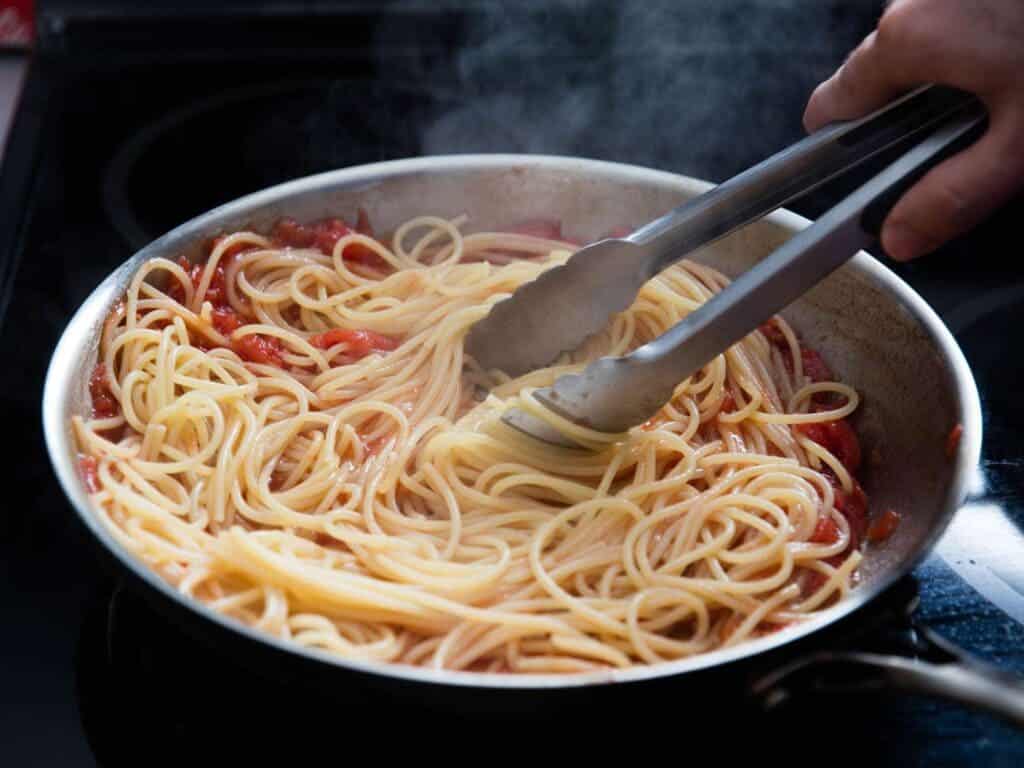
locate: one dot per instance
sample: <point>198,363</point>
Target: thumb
<point>958,194</point>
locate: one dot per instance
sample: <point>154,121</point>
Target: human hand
<point>976,46</point>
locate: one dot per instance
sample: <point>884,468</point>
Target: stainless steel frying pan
<point>873,329</point>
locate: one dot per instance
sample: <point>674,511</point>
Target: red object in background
<point>17,26</point>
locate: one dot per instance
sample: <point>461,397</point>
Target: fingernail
<point>901,242</point>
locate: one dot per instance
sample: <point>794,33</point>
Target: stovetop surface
<point>111,150</point>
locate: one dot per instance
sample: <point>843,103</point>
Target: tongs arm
<point>613,394</point>
<point>556,312</point>
<point>803,261</point>
<point>797,170</point>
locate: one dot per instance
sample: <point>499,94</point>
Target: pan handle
<point>949,674</point>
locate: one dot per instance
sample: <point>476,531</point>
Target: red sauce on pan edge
<point>953,440</point>
<point>256,348</point>
<point>840,439</point>
<point>268,350</point>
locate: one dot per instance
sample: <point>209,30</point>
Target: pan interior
<point>871,328</point>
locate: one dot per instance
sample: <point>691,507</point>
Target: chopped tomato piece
<point>327,233</point>
<point>226,320</point>
<point>773,333</point>
<point>882,528</point>
<point>259,349</point>
<point>362,254</point>
<point>854,507</point>
<point>288,232</point>
<point>104,404</point>
<point>813,581</point>
<point>728,404</point>
<point>373,447</point>
<point>838,438</point>
<point>360,343</point>
<point>953,441</point>
<point>175,290</point>
<point>277,480</point>
<point>846,445</point>
<point>325,539</point>
<point>254,347</point>
<point>825,531</point>
<point>324,234</point>
<point>216,291</point>
<point>815,368</point>
<point>89,467</point>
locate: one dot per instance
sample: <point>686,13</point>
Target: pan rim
<point>61,375</point>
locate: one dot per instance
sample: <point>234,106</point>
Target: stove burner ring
<point>123,211</point>
<point>116,203</point>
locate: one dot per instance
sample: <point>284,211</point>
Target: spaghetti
<point>291,433</point>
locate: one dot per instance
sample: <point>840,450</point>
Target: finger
<point>869,78</point>
<point>958,194</point>
<point>911,46</point>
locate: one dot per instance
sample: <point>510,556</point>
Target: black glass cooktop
<point>129,126</point>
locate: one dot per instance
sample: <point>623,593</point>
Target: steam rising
<point>704,87</point>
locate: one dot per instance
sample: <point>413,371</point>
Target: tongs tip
<point>536,428</point>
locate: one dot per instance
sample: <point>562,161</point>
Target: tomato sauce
<point>89,467</point>
<point>255,348</point>
<point>728,404</point>
<point>853,505</point>
<point>953,440</point>
<point>226,320</point>
<point>104,404</point>
<point>814,366</point>
<point>771,331</point>
<point>277,480</point>
<point>269,350</point>
<point>884,527</point>
<point>826,531</point>
<point>812,582</point>
<point>359,343</point>
<point>216,291</point>
<point>840,439</point>
<point>325,539</point>
<point>323,235</point>
<point>373,447</point>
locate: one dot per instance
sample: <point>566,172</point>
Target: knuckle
<point>847,78</point>
<point>844,82</point>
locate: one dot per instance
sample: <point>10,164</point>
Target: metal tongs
<point>558,311</point>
